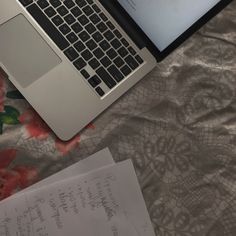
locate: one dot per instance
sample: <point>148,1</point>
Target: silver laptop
<point>71,59</point>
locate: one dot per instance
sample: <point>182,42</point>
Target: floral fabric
<point>178,125</point>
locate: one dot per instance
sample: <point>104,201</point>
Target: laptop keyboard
<point>88,39</point>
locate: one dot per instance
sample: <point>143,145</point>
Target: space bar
<point>47,26</point>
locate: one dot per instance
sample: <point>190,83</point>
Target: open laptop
<point>71,59</point>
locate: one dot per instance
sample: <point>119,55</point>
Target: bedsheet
<point>178,125</point>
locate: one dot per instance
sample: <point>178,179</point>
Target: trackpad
<point>23,52</point>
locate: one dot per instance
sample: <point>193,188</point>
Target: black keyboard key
<point>139,59</point>
<point>96,8</point>
<point>91,44</point>
<point>83,20</point>
<point>80,3</point>
<point>99,91</point>
<point>104,45</point>
<point>126,70</point>
<point>57,20</point>
<point>26,2</point>
<point>79,46</point>
<point>76,11</point>
<point>77,27</point>
<point>118,34</point>
<point>131,62</point>
<point>69,19</point>
<point>69,3</point>
<point>98,53</point>
<point>72,37</point>
<point>132,51</point>
<point>116,43</point>
<point>110,25</point>
<point>95,18</point>
<point>103,16</point>
<point>88,10</point>
<point>89,1</point>
<point>85,74</point>
<point>109,35</point>
<point>97,37</point>
<point>48,27</point>
<point>123,52</point>
<point>125,43</point>
<point>117,75</point>
<point>55,3</point>
<point>90,28</point>
<point>84,36</point>
<point>50,12</point>
<point>111,53</point>
<point>71,54</point>
<point>80,64</point>
<point>106,61</point>
<point>94,81</point>
<point>102,27</point>
<point>62,11</point>
<point>119,62</point>
<point>65,29</point>
<point>94,63</point>
<point>105,77</point>
<point>87,55</point>
<point>43,3</point>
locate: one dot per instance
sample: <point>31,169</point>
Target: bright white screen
<point>165,20</point>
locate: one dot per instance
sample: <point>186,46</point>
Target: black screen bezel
<point>160,55</point>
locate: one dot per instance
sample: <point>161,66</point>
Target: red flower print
<point>2,92</point>
<point>34,125</point>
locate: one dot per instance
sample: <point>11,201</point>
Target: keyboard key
<point>69,3</point>
<point>102,27</point>
<point>84,36</point>
<point>94,81</point>
<point>87,55</point>
<point>131,62</point>
<point>126,70</point>
<point>77,27</point>
<point>95,18</point>
<point>43,3</point>
<point>139,59</point>
<point>90,28</point>
<point>79,46</point>
<point>110,25</point>
<point>99,91</point>
<point>88,10</point>
<point>104,45</point>
<point>117,75</point>
<point>103,16</point>
<point>83,20</point>
<point>71,54</point>
<point>57,20</point>
<point>131,50</point>
<point>119,62</point>
<point>116,43</point>
<point>69,19</point>
<point>118,34</point>
<point>98,53</point>
<point>91,44</point>
<point>62,11</point>
<point>85,74</point>
<point>94,63</point>
<point>55,3</point>
<point>79,64</point>
<point>96,8</point>
<point>48,27</point>
<point>65,29</point>
<point>109,35</point>
<point>112,53</point>
<point>50,12</point>
<point>125,43</point>
<point>80,3</point>
<point>123,52</point>
<point>89,1</point>
<point>97,37</point>
<point>106,61</point>
<point>72,37</point>
<point>105,77</point>
<point>76,11</point>
<point>26,2</point>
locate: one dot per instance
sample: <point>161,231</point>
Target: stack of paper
<point>94,197</point>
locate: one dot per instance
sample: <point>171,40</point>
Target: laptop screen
<point>164,21</point>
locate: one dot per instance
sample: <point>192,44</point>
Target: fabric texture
<point>178,125</point>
